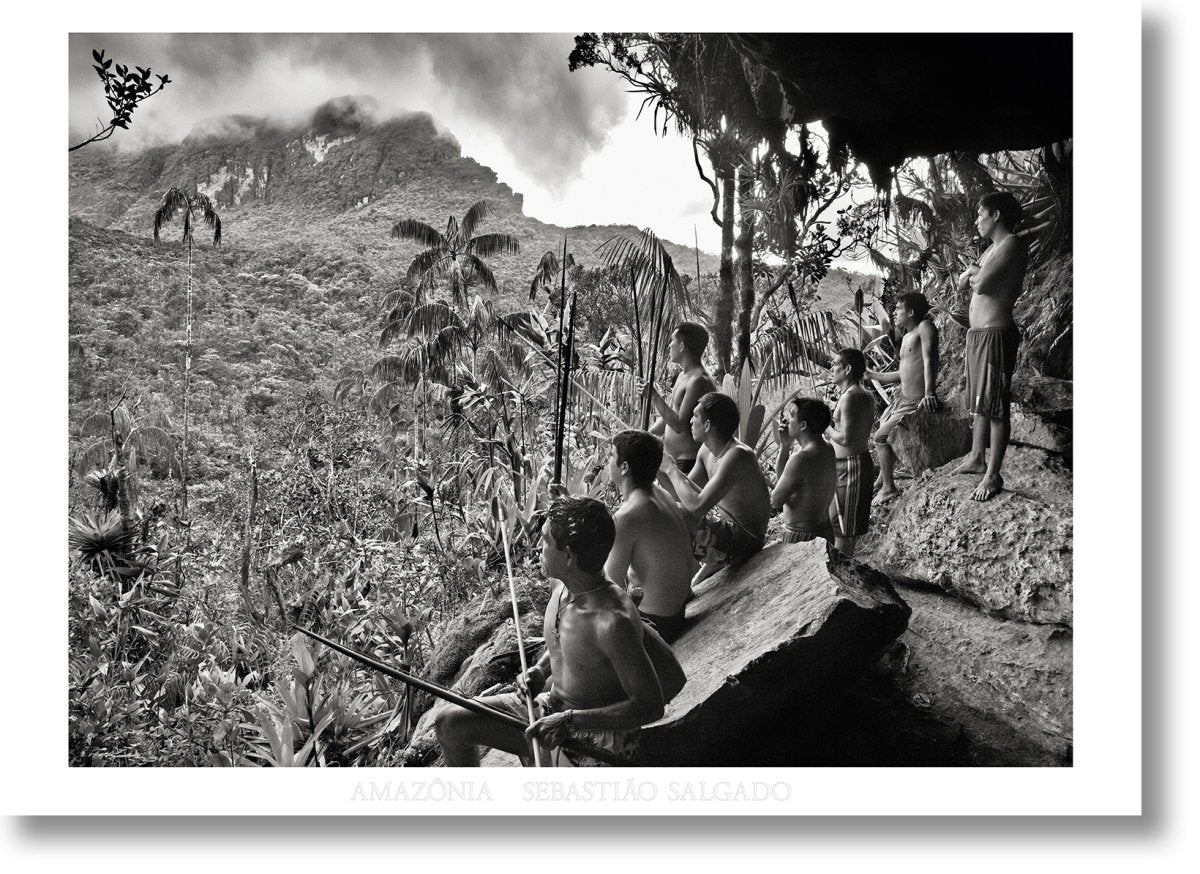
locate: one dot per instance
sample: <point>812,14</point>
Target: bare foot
<point>972,465</point>
<point>887,494</point>
<point>988,488</point>
<point>878,484</point>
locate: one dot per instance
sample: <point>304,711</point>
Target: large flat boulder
<point>925,440</point>
<point>783,634</point>
<point>1012,555</point>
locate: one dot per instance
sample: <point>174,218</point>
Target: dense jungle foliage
<point>356,412</point>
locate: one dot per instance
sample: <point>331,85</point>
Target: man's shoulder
<point>926,329</point>
<point>700,377</point>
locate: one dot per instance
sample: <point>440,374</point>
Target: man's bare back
<point>746,497</point>
<point>575,627</point>
<point>655,548</point>
<point>807,507</point>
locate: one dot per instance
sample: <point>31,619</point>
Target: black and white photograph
<point>577,422</point>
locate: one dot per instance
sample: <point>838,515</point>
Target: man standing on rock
<point>850,512</point>
<point>600,684</point>
<point>991,349</point>
<point>726,479</point>
<point>653,549</point>
<point>917,376</point>
<point>688,342</point>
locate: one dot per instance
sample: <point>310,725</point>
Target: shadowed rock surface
<point>783,635</point>
<point>1011,555</point>
<point>924,440</point>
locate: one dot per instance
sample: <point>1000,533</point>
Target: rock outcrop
<point>780,636</point>
<point>923,441</point>
<point>1011,555</point>
<point>493,662</point>
<point>994,691</point>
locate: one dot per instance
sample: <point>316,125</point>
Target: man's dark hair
<point>916,303</point>
<point>584,525</point>
<point>643,452</point>
<point>694,337</point>
<point>815,413</point>
<point>854,358</point>
<point>1011,212</point>
<point>721,411</point>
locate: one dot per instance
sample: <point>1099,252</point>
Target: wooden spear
<point>512,595</point>
<point>558,375</point>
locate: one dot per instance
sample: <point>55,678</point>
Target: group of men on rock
<point>698,500</point>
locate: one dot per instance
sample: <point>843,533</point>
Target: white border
<point>1106,776</point>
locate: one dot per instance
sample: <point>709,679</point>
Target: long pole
<point>558,374</point>
<point>512,595</point>
<point>472,704</point>
<point>637,322</point>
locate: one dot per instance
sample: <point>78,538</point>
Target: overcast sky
<point>569,142</point>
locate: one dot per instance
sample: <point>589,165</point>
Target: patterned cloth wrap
<point>720,540</point>
<point>620,741</point>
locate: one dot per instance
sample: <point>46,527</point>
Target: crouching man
<point>596,682</point>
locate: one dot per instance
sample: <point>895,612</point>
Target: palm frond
<point>477,212</point>
<point>154,443</point>
<point>479,270</point>
<point>425,264</point>
<point>173,201</point>
<point>95,456</point>
<point>419,232</point>
<point>487,245</point>
<point>429,319</point>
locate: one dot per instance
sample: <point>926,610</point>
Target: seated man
<point>917,377</point>
<point>726,478</point>
<point>850,512</point>
<point>653,549</point>
<point>603,684</point>
<point>805,478</point>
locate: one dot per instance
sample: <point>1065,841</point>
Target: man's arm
<point>621,554</point>
<point>929,360</point>
<point>621,642</point>
<point>788,482</point>
<point>699,503</point>
<point>854,410</point>
<point>881,376</point>
<point>658,428</point>
<point>1009,257</point>
<point>681,420</point>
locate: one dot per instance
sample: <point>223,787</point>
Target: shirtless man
<point>688,342</point>
<point>917,377</point>
<point>850,512</point>
<point>991,350</point>
<point>805,478</point>
<point>726,477</point>
<point>653,549</point>
<point>603,686</point>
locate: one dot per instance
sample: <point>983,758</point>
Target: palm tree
<point>110,463</point>
<point>458,254</point>
<point>174,201</point>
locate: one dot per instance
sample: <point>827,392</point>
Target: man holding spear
<point>595,682</point>
<point>688,342</point>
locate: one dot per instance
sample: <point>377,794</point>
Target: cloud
<point>509,88</point>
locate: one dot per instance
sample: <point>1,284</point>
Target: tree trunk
<point>247,541</point>
<point>723,314</point>
<point>124,503</point>
<point>187,384</point>
<point>745,266</point>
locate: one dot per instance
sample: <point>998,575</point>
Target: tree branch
<point>715,192</point>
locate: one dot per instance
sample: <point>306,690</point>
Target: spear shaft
<point>512,594</point>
